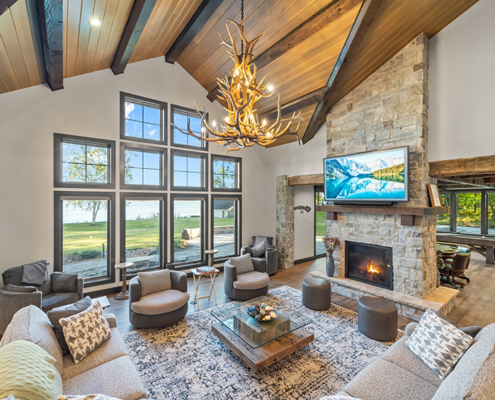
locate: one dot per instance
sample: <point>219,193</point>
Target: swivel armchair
<point>270,256</point>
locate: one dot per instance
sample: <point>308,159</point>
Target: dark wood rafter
<point>318,21</point>
<point>351,47</point>
<point>5,5</point>
<point>202,14</point>
<point>51,20</point>
<point>140,13</point>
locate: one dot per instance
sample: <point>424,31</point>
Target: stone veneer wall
<point>389,110</point>
<point>285,223</point>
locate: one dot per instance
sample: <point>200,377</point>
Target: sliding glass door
<point>320,222</point>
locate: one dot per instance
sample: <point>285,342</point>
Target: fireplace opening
<point>369,263</point>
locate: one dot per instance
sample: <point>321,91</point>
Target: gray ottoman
<point>378,318</point>
<point>316,294</point>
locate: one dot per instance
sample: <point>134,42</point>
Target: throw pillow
<point>85,332</point>
<point>57,313</point>
<point>26,372</point>
<point>87,397</point>
<point>63,282</point>
<point>438,344</point>
<point>35,273</point>
<point>19,288</point>
<point>260,248</point>
<point>243,264</point>
<point>155,281</point>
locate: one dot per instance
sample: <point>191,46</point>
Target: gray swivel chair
<point>245,277</point>
<point>161,309</point>
<point>269,258</point>
<point>59,289</point>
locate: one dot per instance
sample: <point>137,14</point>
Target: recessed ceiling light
<point>95,21</point>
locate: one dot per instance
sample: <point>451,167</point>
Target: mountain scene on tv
<point>372,176</point>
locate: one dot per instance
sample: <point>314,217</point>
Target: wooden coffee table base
<point>263,356</point>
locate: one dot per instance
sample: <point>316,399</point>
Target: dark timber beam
<point>140,13</point>
<point>318,21</point>
<point>5,5</point>
<point>193,26</point>
<point>51,19</point>
<point>476,167</point>
<point>351,47</point>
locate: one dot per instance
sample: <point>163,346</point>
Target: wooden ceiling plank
<point>3,85</point>
<point>141,11</point>
<point>193,26</point>
<point>50,14</point>
<point>95,35</point>
<point>5,5</point>
<point>106,28</point>
<point>35,37</point>
<point>356,36</point>
<point>6,67</point>
<point>84,32</point>
<point>71,44</point>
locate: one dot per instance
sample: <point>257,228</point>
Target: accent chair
<point>269,256</point>
<point>455,269</point>
<point>245,277</point>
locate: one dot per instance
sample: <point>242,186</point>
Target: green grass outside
<point>321,217</point>
<point>139,233</point>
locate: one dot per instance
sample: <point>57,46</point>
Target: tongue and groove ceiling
<point>313,52</point>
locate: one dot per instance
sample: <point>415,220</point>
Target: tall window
<point>142,229</point>
<point>468,219</point>
<point>320,222</point>
<point>189,170</point>
<point>226,211</point>
<point>84,235</point>
<point>143,167</point>
<point>225,174</point>
<point>142,119</point>
<point>182,118</point>
<point>443,221</point>
<point>491,212</point>
<point>84,162</point>
<point>188,228</point>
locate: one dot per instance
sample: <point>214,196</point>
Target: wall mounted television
<point>374,176</point>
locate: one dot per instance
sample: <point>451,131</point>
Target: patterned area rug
<point>186,361</point>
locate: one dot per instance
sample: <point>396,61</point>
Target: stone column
<point>285,223</point>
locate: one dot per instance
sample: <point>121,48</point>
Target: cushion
<point>251,281</point>
<point>483,387</point>
<point>63,312</point>
<point>63,282</point>
<point>160,303</point>
<point>19,288</point>
<point>155,281</point>
<point>85,332</point>
<point>260,248</point>
<point>53,300</point>
<point>35,273</point>
<point>243,264</point>
<point>122,380</point>
<point>439,344</point>
<point>26,371</point>
<point>87,397</point>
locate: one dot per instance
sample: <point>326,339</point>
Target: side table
<point>124,294</point>
<point>212,275</point>
<point>210,254</point>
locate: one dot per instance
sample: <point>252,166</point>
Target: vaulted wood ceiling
<point>314,52</point>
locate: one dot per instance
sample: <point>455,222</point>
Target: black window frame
<point>185,110</point>
<point>143,148</point>
<point>60,196</point>
<point>204,230</point>
<point>147,102</point>
<point>204,173</point>
<point>129,196</point>
<point>238,217</point>
<point>59,138</point>
<point>238,175</point>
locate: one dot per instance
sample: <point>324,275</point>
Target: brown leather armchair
<point>458,265</point>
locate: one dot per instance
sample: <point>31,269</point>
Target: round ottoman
<point>378,318</point>
<point>316,294</point>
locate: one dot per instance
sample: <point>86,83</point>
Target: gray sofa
<point>42,296</point>
<point>400,374</point>
<point>245,285</point>
<point>270,258</point>
<point>108,370</point>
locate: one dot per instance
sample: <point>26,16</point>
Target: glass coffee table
<point>261,343</point>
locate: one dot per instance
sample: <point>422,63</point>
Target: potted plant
<point>330,245</point>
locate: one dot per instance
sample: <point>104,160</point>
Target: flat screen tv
<point>375,176</point>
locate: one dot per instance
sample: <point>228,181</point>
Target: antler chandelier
<point>240,92</point>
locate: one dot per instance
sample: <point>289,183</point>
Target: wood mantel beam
<point>5,5</point>
<point>140,13</point>
<point>351,47</point>
<point>51,19</point>
<point>463,167</point>
<point>202,14</point>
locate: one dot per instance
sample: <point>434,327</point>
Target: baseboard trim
<point>303,260</point>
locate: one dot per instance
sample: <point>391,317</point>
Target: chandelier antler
<point>241,91</point>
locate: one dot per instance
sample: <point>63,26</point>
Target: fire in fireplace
<point>369,264</point>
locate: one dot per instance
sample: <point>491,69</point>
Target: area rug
<point>186,361</point>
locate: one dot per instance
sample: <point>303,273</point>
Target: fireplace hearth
<point>369,264</point>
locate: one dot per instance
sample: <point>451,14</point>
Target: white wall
<point>462,86</point>
<point>89,106</point>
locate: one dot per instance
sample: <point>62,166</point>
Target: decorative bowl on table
<point>262,312</point>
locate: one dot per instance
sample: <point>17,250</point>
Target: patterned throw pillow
<point>85,332</point>
<point>260,248</point>
<point>438,344</point>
